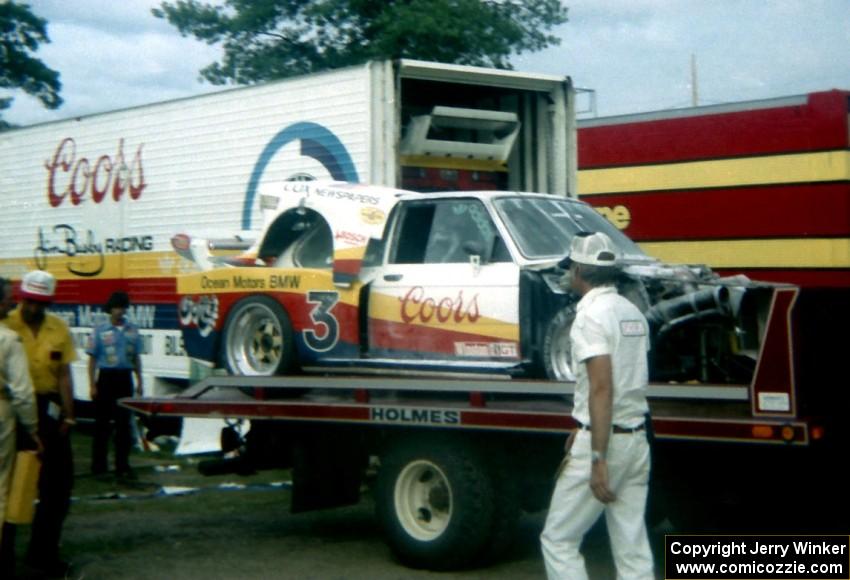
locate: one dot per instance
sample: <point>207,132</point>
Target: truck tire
<point>557,358</point>
<point>506,512</point>
<point>258,339</point>
<point>437,502</point>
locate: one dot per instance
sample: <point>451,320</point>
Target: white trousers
<point>574,509</point>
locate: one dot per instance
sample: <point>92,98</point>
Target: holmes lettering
<point>414,415</point>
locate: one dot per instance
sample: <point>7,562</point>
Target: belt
<point>616,428</point>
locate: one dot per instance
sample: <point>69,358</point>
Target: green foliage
<point>270,39</point>
<point>21,32</point>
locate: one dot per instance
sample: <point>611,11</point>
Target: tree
<point>270,39</point>
<point>21,32</point>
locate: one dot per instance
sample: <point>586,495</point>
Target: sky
<point>636,55</point>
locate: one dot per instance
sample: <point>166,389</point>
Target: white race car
<point>357,278</point>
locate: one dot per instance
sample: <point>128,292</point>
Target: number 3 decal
<point>322,315</point>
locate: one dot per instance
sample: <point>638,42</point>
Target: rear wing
<point>209,253</point>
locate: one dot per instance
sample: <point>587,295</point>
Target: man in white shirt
<point>607,465</point>
<point>17,407</point>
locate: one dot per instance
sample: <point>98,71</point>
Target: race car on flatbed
<point>357,278</point>
<point>466,287</point>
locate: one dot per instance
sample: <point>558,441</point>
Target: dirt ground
<point>232,527</point>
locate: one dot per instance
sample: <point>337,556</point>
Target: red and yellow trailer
<point>760,188</point>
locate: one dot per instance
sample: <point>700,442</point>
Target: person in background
<point>7,301</point>
<point>17,410</point>
<point>608,456</point>
<point>113,360</point>
<point>50,350</point>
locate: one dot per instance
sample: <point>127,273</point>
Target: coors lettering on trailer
<point>445,283</point>
<point>75,177</point>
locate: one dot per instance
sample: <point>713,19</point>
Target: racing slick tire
<point>557,346</point>
<point>258,339</point>
<point>438,502</point>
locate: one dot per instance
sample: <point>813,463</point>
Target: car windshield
<point>543,228</point>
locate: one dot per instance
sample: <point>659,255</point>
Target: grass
<point>128,530</point>
<point>113,519</point>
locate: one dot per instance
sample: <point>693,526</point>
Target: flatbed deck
<point>709,412</point>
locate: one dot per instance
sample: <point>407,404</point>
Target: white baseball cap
<point>592,249</point>
<point>39,286</point>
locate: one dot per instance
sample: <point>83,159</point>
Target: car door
<point>448,289</point>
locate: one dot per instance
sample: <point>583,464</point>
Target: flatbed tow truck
<point>455,460</point>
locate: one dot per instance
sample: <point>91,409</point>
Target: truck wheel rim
<point>255,341</point>
<point>423,500</point>
<point>560,355</point>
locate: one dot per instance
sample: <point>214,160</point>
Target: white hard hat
<point>39,286</point>
<point>592,249</point>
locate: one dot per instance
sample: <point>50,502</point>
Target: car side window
<point>444,232</point>
<point>459,226</point>
<point>500,251</point>
<point>412,235</point>
<point>374,255</point>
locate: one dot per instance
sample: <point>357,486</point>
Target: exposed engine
<point>704,328</point>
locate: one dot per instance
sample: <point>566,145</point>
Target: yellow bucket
<point>23,489</point>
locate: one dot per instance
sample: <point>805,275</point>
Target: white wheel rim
<point>255,341</point>
<point>423,500</point>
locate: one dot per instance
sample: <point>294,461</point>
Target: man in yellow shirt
<point>50,351</point>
